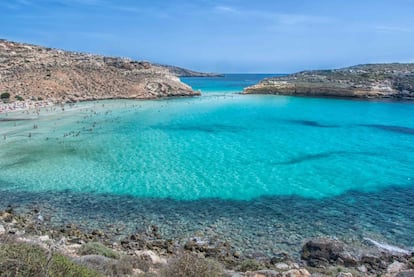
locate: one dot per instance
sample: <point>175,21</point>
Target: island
<point>34,73</point>
<point>393,80</point>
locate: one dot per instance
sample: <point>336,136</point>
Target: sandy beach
<point>24,105</point>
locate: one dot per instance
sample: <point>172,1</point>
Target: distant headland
<point>393,80</point>
<point>183,72</point>
<point>34,73</point>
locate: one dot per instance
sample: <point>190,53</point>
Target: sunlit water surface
<point>264,172</point>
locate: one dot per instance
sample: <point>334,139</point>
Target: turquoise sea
<point>263,172</point>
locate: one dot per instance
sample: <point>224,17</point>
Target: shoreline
<point>319,256</point>
<point>24,105</point>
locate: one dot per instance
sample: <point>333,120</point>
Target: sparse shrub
<point>39,98</point>
<point>5,96</point>
<point>60,266</point>
<point>107,266</point>
<point>250,265</point>
<point>192,266</point>
<point>17,259</point>
<point>136,262</point>
<point>20,259</point>
<point>96,248</point>
<point>19,98</point>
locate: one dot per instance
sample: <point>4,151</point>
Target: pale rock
<point>345,274</point>
<point>150,256</point>
<point>295,265</point>
<point>232,273</point>
<point>265,273</point>
<point>395,267</point>
<point>405,273</point>
<point>282,266</point>
<point>2,230</point>
<point>362,268</point>
<point>43,238</point>
<point>296,273</point>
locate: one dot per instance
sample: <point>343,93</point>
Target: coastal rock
<point>2,230</point>
<point>344,274</point>
<point>281,257</point>
<point>361,81</point>
<point>405,273</point>
<point>322,251</point>
<point>262,273</point>
<point>150,256</point>
<point>362,268</point>
<point>208,247</point>
<point>282,266</point>
<point>29,72</point>
<point>396,267</point>
<point>296,273</point>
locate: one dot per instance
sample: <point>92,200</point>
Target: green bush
<point>192,266</point>
<point>96,248</point>
<point>19,98</point>
<point>106,266</point>
<point>20,259</point>
<point>250,265</point>
<point>5,96</point>
<point>60,266</point>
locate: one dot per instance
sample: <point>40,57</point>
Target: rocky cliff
<point>39,73</point>
<point>362,81</point>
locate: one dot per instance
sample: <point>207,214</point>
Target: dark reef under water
<point>268,225</point>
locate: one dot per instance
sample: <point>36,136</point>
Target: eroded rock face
<point>325,252</point>
<point>322,251</point>
<point>31,72</point>
<point>362,81</point>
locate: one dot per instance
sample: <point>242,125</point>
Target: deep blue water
<point>264,172</point>
<point>230,83</point>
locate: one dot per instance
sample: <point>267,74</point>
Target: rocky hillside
<point>29,72</point>
<point>363,81</point>
<point>182,72</point>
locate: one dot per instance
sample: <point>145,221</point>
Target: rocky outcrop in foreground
<point>149,253</point>
<point>361,81</point>
<point>29,72</point>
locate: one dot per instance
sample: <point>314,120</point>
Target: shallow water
<point>265,172</point>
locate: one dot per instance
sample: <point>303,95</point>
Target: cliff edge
<point>392,80</point>
<point>29,72</point>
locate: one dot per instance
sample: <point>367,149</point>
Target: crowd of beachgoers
<point>24,105</point>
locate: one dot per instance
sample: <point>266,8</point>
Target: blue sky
<point>221,35</point>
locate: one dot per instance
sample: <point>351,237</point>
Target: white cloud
<point>226,9</point>
<point>296,19</point>
<point>276,18</point>
<point>392,29</point>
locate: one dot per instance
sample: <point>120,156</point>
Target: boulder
<point>344,274</point>
<point>150,256</point>
<point>322,251</point>
<point>296,273</point>
<point>396,267</point>
<point>406,273</point>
